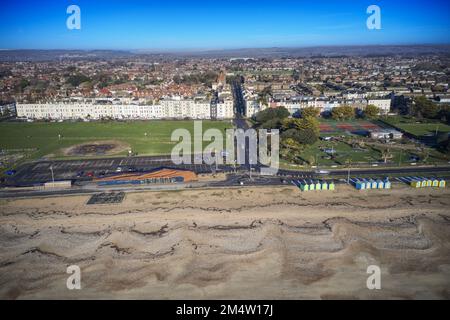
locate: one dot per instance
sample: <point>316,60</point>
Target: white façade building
<point>383,104</point>
<point>169,108</point>
<point>81,110</point>
<point>225,109</point>
<point>252,107</point>
<point>178,108</point>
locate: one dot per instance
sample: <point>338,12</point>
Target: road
<point>239,102</point>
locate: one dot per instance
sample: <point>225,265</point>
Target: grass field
<point>369,155</point>
<point>44,136</point>
<point>416,128</point>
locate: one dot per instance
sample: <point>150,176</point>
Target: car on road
<point>90,174</point>
<point>119,169</point>
<point>80,174</point>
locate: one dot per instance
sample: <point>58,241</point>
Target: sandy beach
<point>250,243</point>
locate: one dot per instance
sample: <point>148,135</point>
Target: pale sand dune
<point>256,243</point>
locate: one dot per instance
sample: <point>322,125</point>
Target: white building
<point>225,109</point>
<point>82,110</point>
<point>8,109</point>
<point>252,107</point>
<point>383,104</point>
<point>169,108</point>
<point>177,108</point>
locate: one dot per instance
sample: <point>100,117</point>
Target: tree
<point>310,112</point>
<point>310,123</point>
<point>272,124</point>
<point>77,79</point>
<point>291,144</point>
<point>308,136</point>
<point>290,149</point>
<point>302,124</point>
<point>272,113</point>
<point>423,107</point>
<point>343,113</point>
<point>371,112</point>
<point>304,136</point>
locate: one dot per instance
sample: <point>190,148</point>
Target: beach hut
<point>374,184</point>
<point>435,182</point>
<point>318,185</point>
<point>368,183</point>
<point>429,182</point>
<point>304,186</point>
<point>442,183</point>
<point>387,184</point>
<point>424,182</point>
<point>420,182</point>
<point>324,185</point>
<point>312,185</point>
<point>331,186</point>
<point>416,184</point>
<point>380,184</point>
<point>360,185</point>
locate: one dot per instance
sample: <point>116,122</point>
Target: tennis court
<point>351,126</point>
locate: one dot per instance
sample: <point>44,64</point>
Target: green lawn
<point>344,152</point>
<point>417,128</point>
<point>423,129</point>
<point>44,136</point>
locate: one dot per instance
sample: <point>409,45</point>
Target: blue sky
<point>200,24</point>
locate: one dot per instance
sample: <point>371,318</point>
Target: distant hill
<point>327,51</point>
<point>324,51</point>
<point>54,55</point>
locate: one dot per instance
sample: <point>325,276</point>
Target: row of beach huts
<point>365,184</point>
<point>370,183</point>
<point>314,185</point>
<point>423,182</point>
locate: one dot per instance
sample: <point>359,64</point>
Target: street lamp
<point>53,176</point>
<point>349,163</point>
